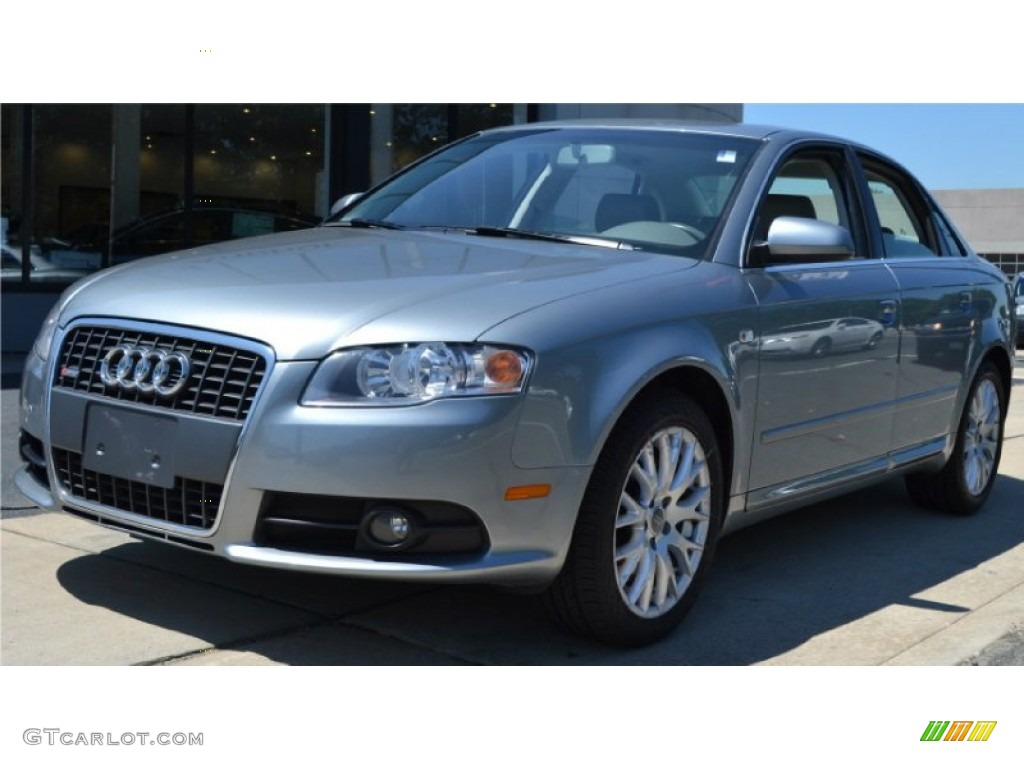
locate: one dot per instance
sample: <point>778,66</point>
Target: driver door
<point>824,404</point>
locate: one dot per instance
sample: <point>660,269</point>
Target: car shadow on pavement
<point>773,587</point>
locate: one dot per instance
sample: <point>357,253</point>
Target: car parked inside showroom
<point>539,358</point>
<point>166,230</point>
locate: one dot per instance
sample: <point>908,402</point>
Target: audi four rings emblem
<point>146,369</point>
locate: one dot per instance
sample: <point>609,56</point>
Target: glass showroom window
<point>403,133</point>
<point>70,146</point>
<point>258,169</point>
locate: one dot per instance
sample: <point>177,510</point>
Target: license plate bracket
<point>130,445</point>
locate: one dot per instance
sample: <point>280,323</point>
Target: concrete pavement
<point>867,579</point>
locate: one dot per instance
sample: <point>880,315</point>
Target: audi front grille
<point>222,380</point>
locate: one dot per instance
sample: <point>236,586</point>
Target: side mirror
<point>792,239</point>
<point>344,202</point>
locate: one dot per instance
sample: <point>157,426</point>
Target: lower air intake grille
<point>190,502</point>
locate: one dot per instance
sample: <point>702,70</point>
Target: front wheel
<point>821,347</point>
<point>647,527</point>
<point>962,486</point>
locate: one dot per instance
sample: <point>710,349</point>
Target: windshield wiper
<point>603,242</point>
<point>368,224</point>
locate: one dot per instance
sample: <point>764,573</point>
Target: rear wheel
<point>962,486</point>
<point>647,527</point>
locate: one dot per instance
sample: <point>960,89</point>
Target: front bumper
<point>442,460</point>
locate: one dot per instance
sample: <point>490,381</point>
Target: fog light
<point>390,527</point>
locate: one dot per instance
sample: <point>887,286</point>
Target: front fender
<point>596,354</point>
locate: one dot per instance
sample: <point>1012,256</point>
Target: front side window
<point>811,184</point>
<point>810,187</point>
<point>648,190</point>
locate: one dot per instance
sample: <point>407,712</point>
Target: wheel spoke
<point>663,578</point>
<point>688,552</point>
<point>643,582</point>
<point>630,511</point>
<point>635,544</point>
<point>984,468</point>
<point>628,567</point>
<point>685,511</point>
<point>991,405</point>
<point>972,477</point>
<point>668,458</point>
<point>683,476</point>
<point>642,473</point>
<point>695,472</point>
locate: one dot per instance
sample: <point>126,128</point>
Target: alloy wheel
<point>662,523</point>
<point>981,440</point>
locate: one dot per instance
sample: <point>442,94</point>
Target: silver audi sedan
<point>546,356</point>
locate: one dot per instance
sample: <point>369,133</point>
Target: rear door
<point>944,302</point>
<point>825,390</point>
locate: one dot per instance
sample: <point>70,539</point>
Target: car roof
<point>744,130</point>
<point>756,132</point>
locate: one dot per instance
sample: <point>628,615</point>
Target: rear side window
<point>903,215</point>
<point>950,242</point>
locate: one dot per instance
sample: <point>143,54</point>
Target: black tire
<point>950,489</point>
<point>821,347</point>
<point>586,598</point>
<point>874,340</point>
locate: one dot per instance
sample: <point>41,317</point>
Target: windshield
<point>653,189</point>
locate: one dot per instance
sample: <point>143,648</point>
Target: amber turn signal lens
<point>505,368</point>
<point>523,492</point>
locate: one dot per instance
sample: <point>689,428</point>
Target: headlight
<point>45,338</point>
<point>415,373</point>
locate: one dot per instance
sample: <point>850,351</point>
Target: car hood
<point>305,293</point>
